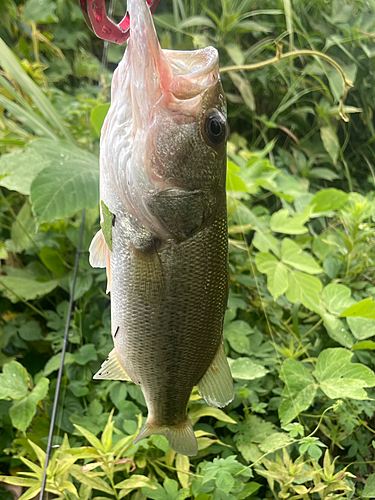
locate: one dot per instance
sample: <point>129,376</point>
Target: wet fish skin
<point>163,166</point>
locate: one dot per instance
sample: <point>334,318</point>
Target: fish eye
<point>214,128</point>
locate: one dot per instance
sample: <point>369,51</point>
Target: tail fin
<point>181,437</point>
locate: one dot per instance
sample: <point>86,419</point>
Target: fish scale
<point>163,169</point>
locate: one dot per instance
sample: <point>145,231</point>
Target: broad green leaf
<point>283,222</point>
<point>40,11</point>
<point>66,186</point>
<point>299,390</point>
<point>339,378</point>
<point>363,309</point>
<point>234,181</point>
<point>85,354</point>
<point>30,331</point>
<point>305,289</point>
<point>13,381</point>
<point>294,256</point>
<point>237,334</point>
<point>337,298</point>
<point>265,242</point>
<point>32,492</point>
<point>54,363</point>
<point>98,115</point>
<point>22,412</point>
<point>361,328</point>
<point>106,225</point>
<point>246,369</point>
<point>275,442</point>
<point>369,489</point>
<point>337,330</point>
<point>328,199</point>
<point>19,169</point>
<point>330,142</point>
<point>277,275</point>
<point>196,21</point>
<point>16,288</point>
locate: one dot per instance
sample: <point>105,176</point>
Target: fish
<point>164,236</point>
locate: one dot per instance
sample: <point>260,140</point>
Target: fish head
<point>166,128</point>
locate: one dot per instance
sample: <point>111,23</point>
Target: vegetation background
<point>300,326</point>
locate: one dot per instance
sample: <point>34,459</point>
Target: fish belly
<point>168,305</point>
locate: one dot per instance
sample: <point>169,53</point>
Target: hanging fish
<point>164,237</point>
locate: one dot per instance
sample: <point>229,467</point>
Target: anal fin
<point>216,385</point>
<point>112,369</point>
<point>100,255</point>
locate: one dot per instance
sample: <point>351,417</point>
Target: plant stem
<point>304,52</point>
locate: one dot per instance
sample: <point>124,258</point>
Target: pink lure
<point>96,18</point>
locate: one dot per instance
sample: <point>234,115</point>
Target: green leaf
<point>369,489</point>
<point>22,412</point>
<point>265,242</point>
<point>13,381</point>
<point>338,331</point>
<point>30,331</point>
<point>68,185</point>
<point>367,344</point>
<point>211,412</point>
<point>363,309</point>
<point>85,354</point>
<point>183,466</point>
<point>293,255</point>
<point>16,288</point>
<point>283,222</point>
<point>305,289</point>
<point>40,11</point>
<point>361,328</point>
<point>234,181</point>
<point>93,440</point>
<point>106,225</point>
<point>52,260</point>
<point>98,115</point>
<point>23,229</point>
<point>341,379</point>
<point>277,275</point>
<point>90,479</point>
<point>136,481</point>
<point>328,199</point>
<point>330,142</point>
<point>299,390</point>
<point>337,298</point>
<point>246,369</point>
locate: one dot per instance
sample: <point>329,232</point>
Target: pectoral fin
<point>111,369</point>
<point>216,385</point>
<point>100,255</point>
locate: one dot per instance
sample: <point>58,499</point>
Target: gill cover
<point>149,84</point>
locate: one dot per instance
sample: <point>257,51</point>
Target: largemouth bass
<point>162,184</point>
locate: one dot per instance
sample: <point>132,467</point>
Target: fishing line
<point>71,301</point>
<point>63,351</point>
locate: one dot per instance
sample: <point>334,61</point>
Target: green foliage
<point>300,326</point>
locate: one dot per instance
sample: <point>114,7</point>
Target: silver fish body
<point>163,164</point>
